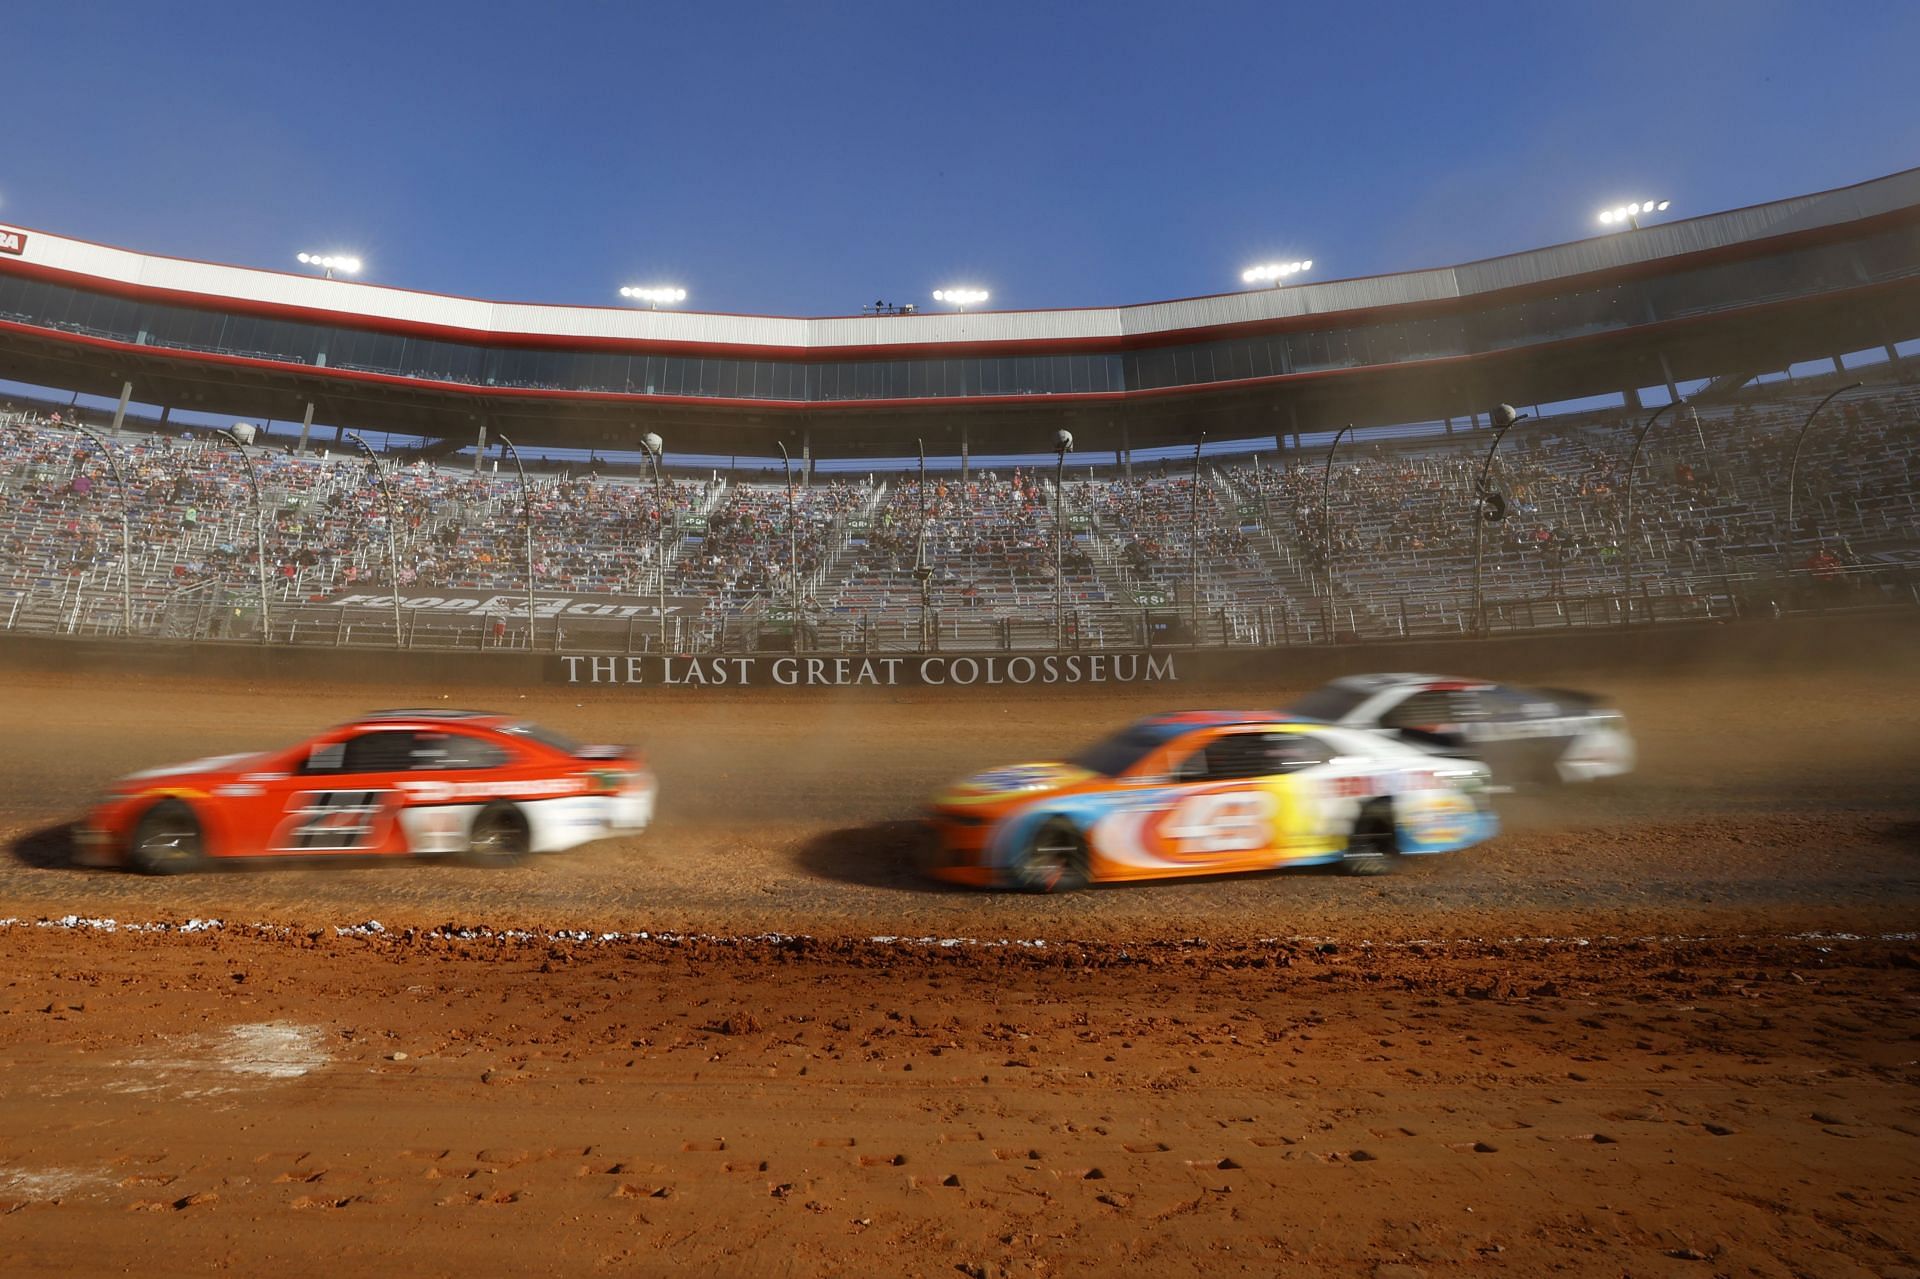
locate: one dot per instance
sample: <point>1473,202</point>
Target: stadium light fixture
<point>1489,505</point>
<point>960,299</point>
<point>240,435</point>
<point>655,295</point>
<point>1275,273</point>
<point>328,263</point>
<point>656,450</point>
<point>1630,214</point>
<point>1062,445</point>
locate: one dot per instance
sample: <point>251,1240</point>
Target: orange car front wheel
<point>1054,860</point>
<point>168,841</point>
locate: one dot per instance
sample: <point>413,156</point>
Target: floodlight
<point>654,295</point>
<point>329,263</point>
<point>1274,271</point>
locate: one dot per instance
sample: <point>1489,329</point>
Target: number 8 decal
<point>1222,822</point>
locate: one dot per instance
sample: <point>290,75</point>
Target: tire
<point>1054,860</point>
<point>168,841</point>
<point>1374,846</point>
<point>500,836</point>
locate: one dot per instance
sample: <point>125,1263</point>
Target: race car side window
<point>1228,757</point>
<point>380,751</point>
<point>1291,752</point>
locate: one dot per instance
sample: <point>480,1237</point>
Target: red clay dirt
<point>1623,1038</point>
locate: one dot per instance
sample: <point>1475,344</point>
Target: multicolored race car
<point>397,783</point>
<point>1206,793</point>
<point>1537,735</point>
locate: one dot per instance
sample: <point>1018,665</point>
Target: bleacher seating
<point>1710,501</point>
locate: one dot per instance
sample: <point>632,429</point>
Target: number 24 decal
<point>331,821</point>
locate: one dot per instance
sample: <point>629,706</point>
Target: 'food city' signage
<point>851,671</point>
<point>14,242</point>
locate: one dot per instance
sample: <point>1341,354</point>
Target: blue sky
<point>807,158</point>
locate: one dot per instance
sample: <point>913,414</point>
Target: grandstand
<point>1254,540</point>
<point>1710,530</point>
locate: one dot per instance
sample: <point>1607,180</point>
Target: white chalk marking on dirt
<point>267,1050</point>
<point>273,1049</point>
<point>51,1184</point>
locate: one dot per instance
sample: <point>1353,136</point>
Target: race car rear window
<point>1331,702</point>
<point>1422,710</point>
<point>545,736</point>
<point>455,750</point>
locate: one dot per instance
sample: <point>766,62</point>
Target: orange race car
<point>396,783</point>
<point>1209,792</point>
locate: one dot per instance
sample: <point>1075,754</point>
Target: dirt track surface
<point>1601,1043</point>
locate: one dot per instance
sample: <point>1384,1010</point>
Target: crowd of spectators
<point>1400,523</point>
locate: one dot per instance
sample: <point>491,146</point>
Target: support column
<point>1449,426</point>
<point>1893,356</point>
<point>480,446</point>
<point>1837,366</point>
<point>1632,396</point>
<point>806,458</point>
<point>966,459</point>
<point>120,410</point>
<point>1293,419</point>
<point>306,425</point>
<point>1126,453</point>
<point>1673,388</point>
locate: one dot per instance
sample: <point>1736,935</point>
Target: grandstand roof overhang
<point>1800,286</point>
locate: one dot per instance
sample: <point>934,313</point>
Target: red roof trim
<point>894,405</point>
<point>951,350</point>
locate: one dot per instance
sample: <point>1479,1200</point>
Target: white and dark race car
<point>1525,735</point>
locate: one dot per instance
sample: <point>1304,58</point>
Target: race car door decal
<point>1225,824</point>
<point>333,821</point>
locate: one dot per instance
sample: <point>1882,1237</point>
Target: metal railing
<point>223,612</point>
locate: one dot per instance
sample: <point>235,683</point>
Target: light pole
<point>960,299</point>
<point>1326,516</point>
<point>1793,471</point>
<point>393,531</point>
<point>126,529</point>
<point>328,263</point>
<point>1626,519</point>
<point>1193,547</point>
<point>656,450</point>
<point>654,295</point>
<point>1275,273</point>
<point>793,547</point>
<point>1062,445</point>
<point>1630,214</point>
<point>1488,506</point>
<point>259,533</point>
<point>526,519</point>
<point>923,571</point>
